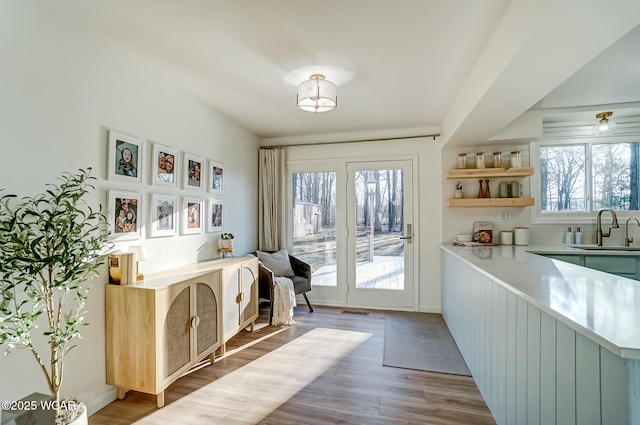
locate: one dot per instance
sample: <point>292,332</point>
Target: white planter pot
<point>226,243</point>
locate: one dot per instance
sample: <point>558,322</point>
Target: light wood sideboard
<point>159,328</point>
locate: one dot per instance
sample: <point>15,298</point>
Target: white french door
<point>359,243</point>
<point>380,245</point>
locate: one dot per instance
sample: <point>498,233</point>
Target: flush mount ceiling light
<point>605,124</point>
<point>317,94</point>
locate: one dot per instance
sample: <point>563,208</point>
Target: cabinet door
<point>208,333</point>
<point>230,296</point>
<point>176,329</point>
<point>249,290</point>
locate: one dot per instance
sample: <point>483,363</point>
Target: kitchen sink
<point>606,248</point>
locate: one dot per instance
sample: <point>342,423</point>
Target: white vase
<point>226,243</point>
<point>457,194</point>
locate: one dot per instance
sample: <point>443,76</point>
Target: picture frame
<point>164,166</point>
<point>216,177</point>
<point>215,216</point>
<point>192,215</point>
<point>125,157</point>
<point>163,215</point>
<point>193,172</point>
<point>125,215</point>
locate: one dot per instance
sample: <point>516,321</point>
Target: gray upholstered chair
<point>301,281</point>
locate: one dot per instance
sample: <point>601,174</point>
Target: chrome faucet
<point>627,239</point>
<point>599,233</point>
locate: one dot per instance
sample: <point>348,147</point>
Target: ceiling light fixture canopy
<point>605,124</point>
<point>317,94</point>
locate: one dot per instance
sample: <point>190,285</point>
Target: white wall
<point>429,185</point>
<point>60,92</point>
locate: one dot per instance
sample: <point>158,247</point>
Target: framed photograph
<point>216,177</point>
<point>163,166</point>
<point>125,215</point>
<point>214,215</point>
<point>164,215</point>
<point>125,157</point>
<point>192,215</point>
<point>193,172</point>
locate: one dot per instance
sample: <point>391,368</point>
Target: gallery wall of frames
<point>187,196</point>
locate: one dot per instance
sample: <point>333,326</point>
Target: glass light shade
<point>604,126</point>
<point>317,95</point>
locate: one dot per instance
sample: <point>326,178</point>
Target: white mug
<point>516,190</point>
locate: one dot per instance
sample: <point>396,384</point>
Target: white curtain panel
<point>271,199</point>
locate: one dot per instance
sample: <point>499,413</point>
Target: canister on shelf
<point>497,160</point>
<point>462,160</point>
<point>480,160</point>
<point>515,159</point>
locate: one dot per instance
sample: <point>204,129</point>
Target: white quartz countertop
<point>601,306</point>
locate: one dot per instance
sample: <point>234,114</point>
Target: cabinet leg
<point>121,393</point>
<point>212,357</point>
<point>252,326</point>
<point>160,399</point>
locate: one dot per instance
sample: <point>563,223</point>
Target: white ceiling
<point>463,68</point>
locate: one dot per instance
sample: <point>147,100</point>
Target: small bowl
<point>465,238</point>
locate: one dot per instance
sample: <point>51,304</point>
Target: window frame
<point>572,217</point>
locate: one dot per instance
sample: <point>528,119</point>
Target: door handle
<point>409,233</point>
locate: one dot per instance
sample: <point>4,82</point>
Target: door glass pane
<point>379,225</point>
<point>314,224</point>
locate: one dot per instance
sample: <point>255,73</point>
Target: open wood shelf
<point>490,202</point>
<point>472,173</point>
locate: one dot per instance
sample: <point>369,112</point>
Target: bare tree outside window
<point>613,166</point>
<point>562,174</point>
<point>314,222</point>
<point>613,175</point>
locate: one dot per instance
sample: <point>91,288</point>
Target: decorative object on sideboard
<point>53,245</point>
<point>226,244</point>
<point>140,254</point>
<point>121,268</point>
<point>226,240</point>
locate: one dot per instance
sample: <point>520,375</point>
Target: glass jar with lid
<point>462,160</point>
<point>515,159</point>
<point>497,160</point>
<point>479,159</point>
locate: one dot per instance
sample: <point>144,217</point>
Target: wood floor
<point>326,369</point>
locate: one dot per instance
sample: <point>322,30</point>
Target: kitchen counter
<point>603,307</point>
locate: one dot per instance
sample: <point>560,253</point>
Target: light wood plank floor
<point>326,369</point>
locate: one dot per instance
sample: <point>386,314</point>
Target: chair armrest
<point>265,281</point>
<point>300,268</point>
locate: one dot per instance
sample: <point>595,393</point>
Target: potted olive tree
<point>52,246</point>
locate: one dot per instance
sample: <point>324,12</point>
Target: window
<point>587,177</point>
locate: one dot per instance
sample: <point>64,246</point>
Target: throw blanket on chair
<point>284,299</point>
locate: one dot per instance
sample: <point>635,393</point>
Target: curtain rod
<point>350,141</point>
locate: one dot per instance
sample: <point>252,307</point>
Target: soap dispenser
<point>578,236</point>
<point>568,237</point>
